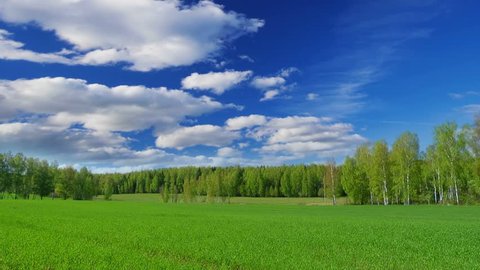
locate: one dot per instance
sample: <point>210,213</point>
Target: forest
<point>447,172</point>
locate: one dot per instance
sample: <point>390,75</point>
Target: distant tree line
<point>221,183</point>
<point>22,177</point>
<point>447,172</point>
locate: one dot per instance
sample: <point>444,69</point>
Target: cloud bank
<point>143,34</point>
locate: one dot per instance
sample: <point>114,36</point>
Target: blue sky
<point>126,85</point>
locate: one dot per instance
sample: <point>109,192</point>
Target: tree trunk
<point>385,192</point>
<point>408,189</point>
<point>333,186</point>
<point>456,191</point>
<point>385,189</point>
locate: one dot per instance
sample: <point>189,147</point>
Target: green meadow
<point>140,232</point>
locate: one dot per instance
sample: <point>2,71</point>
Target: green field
<point>155,197</point>
<point>139,232</point>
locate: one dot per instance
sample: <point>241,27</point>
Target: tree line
<point>23,177</point>
<point>448,171</point>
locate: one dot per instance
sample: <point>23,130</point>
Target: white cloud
<point>217,82</point>
<point>197,135</point>
<point>286,72</point>
<point>242,122</point>
<point>13,50</point>
<point>228,152</point>
<point>64,102</point>
<point>150,34</point>
<point>472,109</point>
<point>273,86</point>
<point>243,145</point>
<point>100,151</point>
<point>298,136</point>
<point>312,96</point>
<point>461,95</point>
<point>75,122</point>
<point>264,83</point>
<point>269,95</point>
<point>246,58</point>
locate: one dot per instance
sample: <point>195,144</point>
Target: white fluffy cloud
<point>101,151</point>
<point>217,82</point>
<point>300,135</point>
<point>274,86</point>
<point>269,95</point>
<point>146,34</point>
<point>265,83</point>
<point>77,123</point>
<point>13,50</point>
<point>241,122</point>
<point>196,135</point>
<point>64,102</point>
<point>73,121</point>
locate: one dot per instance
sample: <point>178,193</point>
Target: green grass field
<point>142,233</point>
<point>151,197</point>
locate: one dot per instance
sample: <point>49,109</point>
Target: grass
<point>151,197</point>
<point>147,234</point>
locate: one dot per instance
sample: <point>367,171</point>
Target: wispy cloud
<point>471,109</point>
<point>370,37</point>
<point>462,95</point>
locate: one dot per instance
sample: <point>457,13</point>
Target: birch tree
<point>405,153</point>
<point>331,180</point>
<point>452,150</point>
<point>381,170</point>
<point>364,163</point>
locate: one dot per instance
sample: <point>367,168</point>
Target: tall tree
<point>17,166</point>
<point>354,182</point>
<point>364,164</point>
<point>5,175</point>
<point>451,145</point>
<point>405,154</point>
<point>431,171</point>
<point>381,171</point>
<point>43,182</point>
<point>331,182</point>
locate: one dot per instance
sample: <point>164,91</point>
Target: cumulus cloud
<point>209,135</point>
<point>264,83</point>
<point>217,82</point>
<point>144,34</point>
<point>64,102</point>
<point>301,135</point>
<point>13,50</point>
<point>76,122</point>
<point>100,151</point>
<point>269,95</point>
<point>273,86</point>
<point>241,122</point>
<point>73,121</point>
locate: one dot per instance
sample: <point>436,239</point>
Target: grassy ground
<point>150,235</point>
<point>149,197</point>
